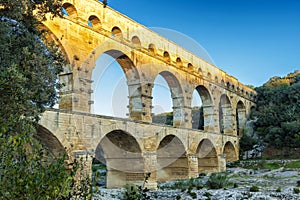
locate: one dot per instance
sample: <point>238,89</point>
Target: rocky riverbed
<point>281,184</point>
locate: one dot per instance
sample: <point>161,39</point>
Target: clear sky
<point>249,39</point>
<point>252,40</point>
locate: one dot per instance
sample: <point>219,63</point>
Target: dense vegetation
<point>278,111</point>
<point>29,65</point>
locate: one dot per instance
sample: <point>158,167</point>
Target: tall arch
<point>122,155</point>
<point>129,93</point>
<point>240,117</point>
<point>177,97</point>
<point>226,121</point>
<point>205,119</point>
<point>172,162</point>
<point>230,152</point>
<point>207,157</point>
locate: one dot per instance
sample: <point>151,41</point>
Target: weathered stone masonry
<point>131,147</point>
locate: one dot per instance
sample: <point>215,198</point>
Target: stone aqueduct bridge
<point>131,147</point>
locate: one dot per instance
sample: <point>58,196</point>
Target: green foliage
<point>29,172</point>
<point>29,66</point>
<point>247,142</point>
<point>278,111</point>
<point>254,188</point>
<point>134,192</point>
<point>163,118</point>
<point>293,164</point>
<point>278,189</point>
<point>217,181</point>
<point>296,190</point>
<point>298,183</point>
<point>131,192</point>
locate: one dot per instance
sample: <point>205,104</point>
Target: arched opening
<point>94,22</point>
<point>207,157</point>
<point>178,62</point>
<point>240,117</point>
<point>167,57</point>
<point>209,75</point>
<point>121,154</point>
<point>225,115</point>
<point>111,86</point>
<point>190,66</point>
<point>152,49</point>
<point>50,142</point>
<point>230,152</point>
<point>202,109</point>
<point>167,110</point>
<point>69,10</point>
<point>172,162</point>
<point>136,43</point>
<point>116,32</point>
<point>216,80</point>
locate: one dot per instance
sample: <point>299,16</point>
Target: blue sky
<point>252,40</point>
<point>249,39</point>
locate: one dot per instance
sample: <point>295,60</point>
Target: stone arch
<point>240,117</point>
<point>176,95</point>
<point>178,62</point>
<point>190,66</point>
<point>225,115</point>
<point>207,157</point>
<point>122,155</point>
<point>131,74</point>
<point>152,49</point>
<point>116,32</point>
<point>208,110</point>
<point>172,162</point>
<point>209,75</point>
<point>50,142</point>
<point>166,57</point>
<point>230,152</point>
<point>216,80</point>
<point>95,22</point>
<point>50,36</point>
<point>69,10</point>
<point>136,42</point>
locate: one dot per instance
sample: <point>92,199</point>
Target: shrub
<point>134,192</point>
<point>217,181</point>
<point>278,189</point>
<point>254,188</point>
<point>235,185</point>
<point>131,192</point>
<point>298,183</point>
<point>296,190</point>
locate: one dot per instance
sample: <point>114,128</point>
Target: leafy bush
<point>296,190</point>
<point>254,188</point>
<point>217,181</point>
<point>134,192</point>
<point>131,192</point>
<point>278,189</point>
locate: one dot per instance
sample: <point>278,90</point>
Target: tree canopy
<point>29,66</point>
<point>278,111</point>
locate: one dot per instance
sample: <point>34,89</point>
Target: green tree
<point>278,111</point>
<point>29,65</point>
